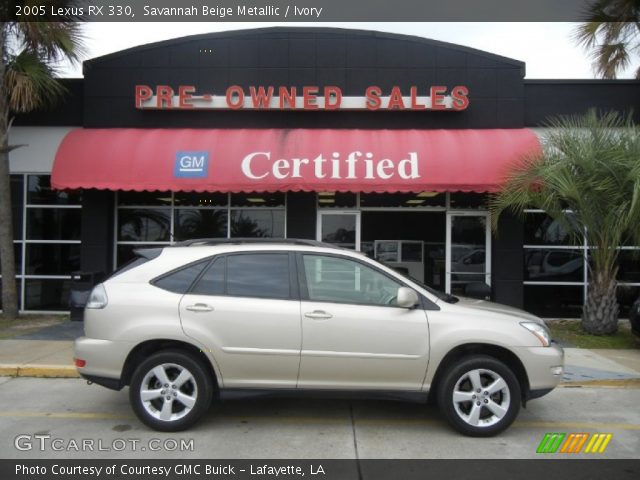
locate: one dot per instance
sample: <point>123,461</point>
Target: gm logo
<point>191,164</point>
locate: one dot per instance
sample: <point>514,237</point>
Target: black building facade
<point>441,237</point>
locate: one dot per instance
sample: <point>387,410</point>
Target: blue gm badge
<point>191,165</point>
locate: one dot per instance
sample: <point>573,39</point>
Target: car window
<point>212,281</point>
<point>179,281</point>
<point>341,280</point>
<point>264,275</point>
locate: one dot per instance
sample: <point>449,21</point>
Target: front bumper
<point>544,366</point>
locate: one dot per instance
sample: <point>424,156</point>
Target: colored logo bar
<point>574,443</point>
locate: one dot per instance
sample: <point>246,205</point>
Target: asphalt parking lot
<point>61,418</point>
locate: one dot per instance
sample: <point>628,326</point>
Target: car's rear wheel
<point>170,391</point>
<point>479,396</point>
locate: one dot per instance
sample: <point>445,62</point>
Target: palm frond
<point>53,40</point>
<point>29,82</point>
<point>611,32</point>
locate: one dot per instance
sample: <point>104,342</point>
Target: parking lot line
<point>331,420</point>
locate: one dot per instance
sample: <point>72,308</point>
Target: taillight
<point>79,363</point>
<point>98,297</point>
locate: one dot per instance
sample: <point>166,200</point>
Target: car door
<point>245,309</point>
<point>353,334</point>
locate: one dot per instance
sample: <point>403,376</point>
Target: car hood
<point>491,307</point>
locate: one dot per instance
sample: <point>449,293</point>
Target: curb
<point>604,383</point>
<point>39,371</point>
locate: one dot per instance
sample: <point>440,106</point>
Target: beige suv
<point>185,324</point>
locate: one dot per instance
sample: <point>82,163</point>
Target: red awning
<point>289,160</point>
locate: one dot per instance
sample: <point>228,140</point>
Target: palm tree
<point>30,51</point>
<point>612,33</point>
<point>589,166</point>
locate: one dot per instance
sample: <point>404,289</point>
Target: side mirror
<point>406,298</point>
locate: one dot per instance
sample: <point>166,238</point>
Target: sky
<point>548,49</point>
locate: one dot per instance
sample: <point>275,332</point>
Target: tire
<point>168,406</point>
<point>498,407</point>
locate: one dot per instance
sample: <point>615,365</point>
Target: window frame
<point>304,289</point>
<point>294,291</point>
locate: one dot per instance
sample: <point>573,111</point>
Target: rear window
<point>179,281</point>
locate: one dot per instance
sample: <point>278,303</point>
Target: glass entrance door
<point>468,251</point>
<point>340,227</point>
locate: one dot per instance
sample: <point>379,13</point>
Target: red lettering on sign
<point>414,100</point>
<point>185,95</point>
<point>143,93</point>
<point>395,99</point>
<point>260,97</point>
<point>235,97</point>
<point>437,98</point>
<point>460,97</point>
<point>287,96</point>
<point>309,98</point>
<point>164,96</point>
<point>332,98</point>
<point>373,94</point>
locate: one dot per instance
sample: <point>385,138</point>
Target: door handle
<point>199,307</point>
<point>318,315</point>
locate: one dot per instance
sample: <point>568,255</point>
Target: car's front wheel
<point>479,396</point>
<point>170,391</point>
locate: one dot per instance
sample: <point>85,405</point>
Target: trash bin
<point>81,285</point>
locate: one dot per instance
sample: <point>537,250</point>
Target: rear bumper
<point>104,359</point>
<point>112,383</point>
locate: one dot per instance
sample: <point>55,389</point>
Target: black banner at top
<point>307,10</point>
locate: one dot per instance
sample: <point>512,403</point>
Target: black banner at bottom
<point>544,468</point>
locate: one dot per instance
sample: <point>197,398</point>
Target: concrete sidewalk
<point>50,354</point>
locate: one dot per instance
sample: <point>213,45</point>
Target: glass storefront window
<point>53,223</point>
<point>258,199</point>
<point>39,192</point>
<point>200,223</point>
<point>192,199</point>
<point>463,200</point>
<point>629,266</point>
<point>337,200</point>
<point>554,300</point>
<point>52,259</point>
<point>17,203</point>
<point>257,223</point>
<point>541,229</point>
<point>627,294</point>
<point>144,198</point>
<point>553,265</point>
<point>47,294</point>
<point>144,224</point>
<point>404,200</point>
<point>48,235</point>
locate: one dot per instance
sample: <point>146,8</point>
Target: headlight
<point>98,297</point>
<point>539,331</point>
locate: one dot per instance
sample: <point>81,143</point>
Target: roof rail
<point>198,242</point>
